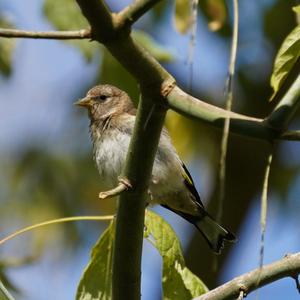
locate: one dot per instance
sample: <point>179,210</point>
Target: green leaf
<point>66,15</point>
<point>4,294</point>
<point>182,16</point>
<point>7,47</point>
<point>156,50</point>
<point>296,9</point>
<point>285,59</point>
<point>178,281</point>
<point>96,280</point>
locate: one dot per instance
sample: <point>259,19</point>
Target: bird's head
<point>106,100</point>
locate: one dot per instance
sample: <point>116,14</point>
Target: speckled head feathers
<point>106,100</point>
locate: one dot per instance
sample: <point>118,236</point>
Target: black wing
<point>189,183</point>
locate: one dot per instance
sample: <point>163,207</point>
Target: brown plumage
<point>112,116</point>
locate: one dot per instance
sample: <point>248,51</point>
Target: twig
<point>121,187</point>
<point>192,42</point>
<point>56,221</point>
<point>229,100</point>
<point>296,277</point>
<point>286,267</point>
<point>134,11</point>
<point>292,135</point>
<point>241,295</point>
<point>53,35</point>
<point>263,213</point>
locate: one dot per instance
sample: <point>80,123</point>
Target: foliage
<point>96,280</point>
<point>177,280</point>
<point>68,17</point>
<point>286,58</point>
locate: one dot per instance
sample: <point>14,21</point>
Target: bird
<point>112,116</point>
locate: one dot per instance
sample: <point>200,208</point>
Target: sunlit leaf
<point>296,9</point>
<point>96,280</point>
<point>158,51</point>
<point>66,15</point>
<point>285,59</point>
<point>6,49</point>
<point>216,13</point>
<point>182,16</point>
<point>177,280</point>
<point>4,294</point>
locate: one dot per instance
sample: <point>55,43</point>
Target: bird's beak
<point>85,102</point>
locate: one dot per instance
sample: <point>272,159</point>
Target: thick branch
<point>192,107</point>
<point>134,11</point>
<point>131,211</point>
<point>143,145</point>
<point>133,57</point>
<point>55,35</point>
<point>289,266</point>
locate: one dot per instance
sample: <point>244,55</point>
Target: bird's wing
<point>189,183</point>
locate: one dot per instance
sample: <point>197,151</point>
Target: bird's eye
<point>103,97</point>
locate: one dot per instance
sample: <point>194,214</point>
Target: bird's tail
<point>214,233</point>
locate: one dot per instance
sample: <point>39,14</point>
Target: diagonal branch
<point>289,266</point>
<point>194,108</point>
<point>134,11</point>
<point>53,35</point>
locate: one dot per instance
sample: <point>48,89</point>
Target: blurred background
<point>46,167</point>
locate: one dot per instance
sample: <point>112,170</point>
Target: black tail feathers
<point>214,234</point>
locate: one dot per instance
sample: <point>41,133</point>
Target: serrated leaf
<point>4,294</point>
<point>6,49</point>
<point>95,283</point>
<point>285,59</point>
<point>156,50</point>
<point>183,16</point>
<point>66,15</point>
<point>178,281</point>
<point>216,13</point>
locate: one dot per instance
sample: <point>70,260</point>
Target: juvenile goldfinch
<point>112,116</point>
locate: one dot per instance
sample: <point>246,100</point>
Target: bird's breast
<point>110,150</point>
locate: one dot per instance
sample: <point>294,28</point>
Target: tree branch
<point>290,135</point>
<point>55,35</point>
<point>194,108</point>
<point>159,92</point>
<point>134,11</point>
<point>289,266</point>
<point>120,188</point>
<point>143,145</point>
<point>131,210</point>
